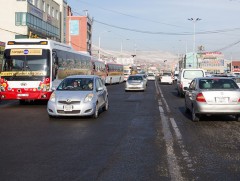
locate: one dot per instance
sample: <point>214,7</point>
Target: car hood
<point>72,95</point>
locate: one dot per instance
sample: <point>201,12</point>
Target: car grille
<point>72,102</point>
<point>68,112</point>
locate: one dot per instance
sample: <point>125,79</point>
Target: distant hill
<point>151,57</point>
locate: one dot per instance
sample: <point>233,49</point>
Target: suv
<point>185,77</point>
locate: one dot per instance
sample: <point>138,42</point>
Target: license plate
<point>221,100</point>
<point>68,108</point>
<point>23,95</point>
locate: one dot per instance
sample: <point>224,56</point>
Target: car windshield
<point>135,78</point>
<point>76,84</point>
<point>217,84</point>
<point>191,74</point>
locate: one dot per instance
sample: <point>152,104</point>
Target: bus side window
<point>55,66</point>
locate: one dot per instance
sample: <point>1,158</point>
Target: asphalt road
<point>143,136</point>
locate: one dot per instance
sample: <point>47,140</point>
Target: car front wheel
<point>105,108</point>
<point>95,114</point>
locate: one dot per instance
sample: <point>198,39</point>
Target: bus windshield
<point>29,64</point>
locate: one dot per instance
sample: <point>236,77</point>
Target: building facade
<point>235,66</point>
<point>30,19</point>
<point>212,62</point>
<point>63,19</point>
<point>79,32</point>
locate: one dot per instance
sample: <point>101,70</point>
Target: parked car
<point>166,78</point>
<point>151,76</point>
<point>78,95</point>
<point>213,95</point>
<point>185,77</point>
<point>136,82</point>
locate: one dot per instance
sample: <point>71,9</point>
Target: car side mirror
<point>100,89</point>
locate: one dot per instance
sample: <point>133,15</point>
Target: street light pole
<point>122,46</point>
<point>194,36</point>
<point>99,43</point>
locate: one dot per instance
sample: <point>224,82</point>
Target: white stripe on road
<point>181,145</point>
<point>173,166</point>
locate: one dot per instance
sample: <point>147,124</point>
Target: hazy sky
<point>163,25</point>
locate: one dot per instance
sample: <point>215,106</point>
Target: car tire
<point>95,114</point>
<point>106,106</point>
<point>186,108</point>
<point>195,117</point>
<point>237,117</point>
<point>51,117</point>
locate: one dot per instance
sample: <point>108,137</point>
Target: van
<point>185,77</point>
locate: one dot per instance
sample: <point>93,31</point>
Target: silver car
<point>213,95</point>
<point>136,82</point>
<point>78,95</point>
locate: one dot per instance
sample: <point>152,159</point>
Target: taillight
<point>200,98</point>
<point>239,100</point>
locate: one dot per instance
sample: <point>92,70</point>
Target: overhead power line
<point>228,46</point>
<point>167,33</point>
<point>131,16</point>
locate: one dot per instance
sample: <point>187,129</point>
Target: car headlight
<point>88,98</point>
<point>52,97</point>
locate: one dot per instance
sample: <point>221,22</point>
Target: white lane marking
<point>161,109</point>
<point>184,152</point>
<point>166,105</point>
<point>173,166</point>
<point>181,145</point>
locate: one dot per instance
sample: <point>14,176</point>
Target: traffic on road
<point>144,135</point>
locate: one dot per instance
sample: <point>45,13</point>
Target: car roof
<point>82,76</point>
<point>214,78</point>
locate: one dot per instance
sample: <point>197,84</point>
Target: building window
<point>36,3</point>
<point>43,6</point>
<point>48,9</point>
<point>57,15</point>
<point>20,19</point>
<point>52,12</point>
<point>41,26</point>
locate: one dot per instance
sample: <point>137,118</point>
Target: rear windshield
<point>191,74</point>
<point>167,74</point>
<point>150,74</point>
<point>217,84</point>
<point>135,78</point>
